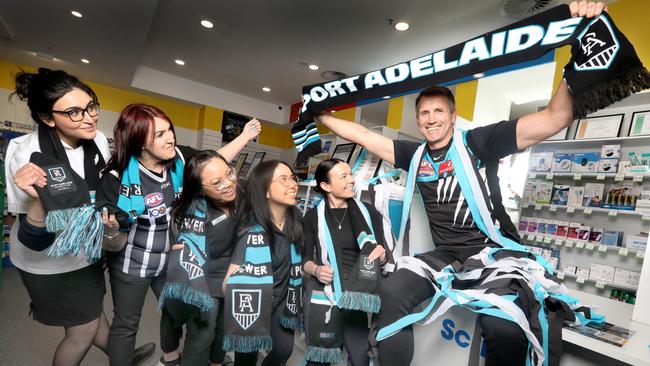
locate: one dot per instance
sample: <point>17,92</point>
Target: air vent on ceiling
<point>333,75</point>
<point>518,9</point>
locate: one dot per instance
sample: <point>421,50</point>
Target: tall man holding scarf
<point>459,228</point>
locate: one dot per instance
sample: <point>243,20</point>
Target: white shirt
<point>19,151</point>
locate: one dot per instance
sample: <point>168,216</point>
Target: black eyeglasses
<point>77,114</point>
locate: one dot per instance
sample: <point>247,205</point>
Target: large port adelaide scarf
<point>603,69</point>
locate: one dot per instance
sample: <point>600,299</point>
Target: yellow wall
<point>395,113</point>
<point>466,98</point>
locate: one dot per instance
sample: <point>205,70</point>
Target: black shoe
<point>142,353</point>
<point>175,362</point>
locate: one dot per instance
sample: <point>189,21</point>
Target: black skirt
<point>66,299</point>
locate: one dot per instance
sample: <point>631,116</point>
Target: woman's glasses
<point>286,181</point>
<point>221,184</point>
<point>77,114</point>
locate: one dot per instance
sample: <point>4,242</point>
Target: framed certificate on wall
<point>599,127</point>
<point>240,162</point>
<point>344,151</point>
<point>257,158</point>
<point>640,124</point>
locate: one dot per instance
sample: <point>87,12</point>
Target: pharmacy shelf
<point>597,283</point>
<point>586,210</point>
<point>578,244</point>
<point>580,176</point>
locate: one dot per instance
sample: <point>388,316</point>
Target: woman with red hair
<point>144,176</point>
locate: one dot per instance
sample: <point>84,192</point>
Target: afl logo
<point>426,169</point>
<point>153,199</point>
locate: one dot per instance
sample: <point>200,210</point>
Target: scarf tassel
<point>360,301</point>
<point>187,295</point>
<point>324,355</point>
<point>79,227</point>
<point>246,344</point>
<point>291,322</point>
<point>614,89</point>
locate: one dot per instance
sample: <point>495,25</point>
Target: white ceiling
<point>253,43</point>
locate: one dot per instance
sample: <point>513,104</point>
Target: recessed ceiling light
<point>179,62</point>
<point>206,23</point>
<point>85,60</point>
<point>479,75</point>
<point>313,67</point>
<point>386,96</point>
<point>266,89</point>
<point>332,111</point>
<point>77,14</point>
<point>402,26</point>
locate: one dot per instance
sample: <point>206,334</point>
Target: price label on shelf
<point>589,246</point>
<point>580,279</point>
<point>577,177</point>
<point>619,178</point>
<point>525,205</point>
<point>637,178</point>
<point>559,241</point>
<point>612,213</point>
<point>531,237</point>
<point>645,217</point>
<point>549,176</point>
<point>571,209</point>
<point>538,207</point>
<point>600,284</point>
<point>622,252</point>
<point>640,254</point>
<point>568,244</point>
<point>548,240</point>
<point>532,175</point>
<point>600,176</point>
<point>602,248</point>
<point>588,211</point>
<point>552,208</point>
<point>539,238</point>
<point>580,245</point>
<point>560,275</point>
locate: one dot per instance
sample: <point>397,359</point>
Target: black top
<point>280,263</point>
<point>450,219</point>
<point>345,244</point>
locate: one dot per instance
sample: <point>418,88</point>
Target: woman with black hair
<point>263,284</point>
<point>344,246</point>
<point>144,176</point>
<point>63,157</point>
<point>202,226</point>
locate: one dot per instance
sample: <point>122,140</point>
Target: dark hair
<point>255,209</point>
<point>43,88</point>
<point>193,187</point>
<point>131,132</point>
<point>437,91</point>
<point>323,172</point>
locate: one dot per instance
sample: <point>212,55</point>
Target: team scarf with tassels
<point>249,296</point>
<point>324,332</point>
<point>69,199</point>
<point>490,282</point>
<point>186,273</point>
<point>604,68</point>
<point>130,199</point>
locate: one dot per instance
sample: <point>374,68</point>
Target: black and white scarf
<point>604,68</point>
<point>324,333</point>
<point>68,199</point>
<point>249,296</point>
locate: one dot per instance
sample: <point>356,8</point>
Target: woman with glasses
<point>343,238</point>
<point>144,177</point>
<point>65,290</point>
<point>262,287</point>
<point>202,226</point>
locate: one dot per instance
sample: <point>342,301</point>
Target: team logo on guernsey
<point>157,211</point>
<point>246,307</point>
<point>292,300</point>
<point>446,167</point>
<point>57,174</point>
<point>190,262</point>
<point>426,169</point>
<point>153,199</point>
<point>368,263</point>
<point>599,46</point>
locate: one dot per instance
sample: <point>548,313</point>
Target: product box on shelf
<point>593,194</point>
<point>560,194</point>
<point>569,268</point>
<point>643,202</point>
<point>582,272</point>
<point>541,161</point>
<point>541,226</point>
<point>562,229</point>
<point>621,197</point>
<point>626,277</point>
<point>562,162</point>
<point>596,235</point>
<point>576,194</point>
<point>551,228</point>
<point>601,272</point>
<point>608,166</point>
<point>636,242</point>
<point>610,152</point>
<point>554,261</point>
<point>532,225</point>
<point>611,238</point>
<point>543,192</point>
<point>586,162</point>
<point>583,232</point>
<point>574,229</point>
<point>624,167</point>
<point>523,223</point>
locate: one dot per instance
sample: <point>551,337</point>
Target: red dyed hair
<point>131,133</point>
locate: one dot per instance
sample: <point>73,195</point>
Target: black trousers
<point>129,293</point>
<point>203,337</point>
<point>400,293</point>
<point>282,344</point>
<point>355,337</point>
